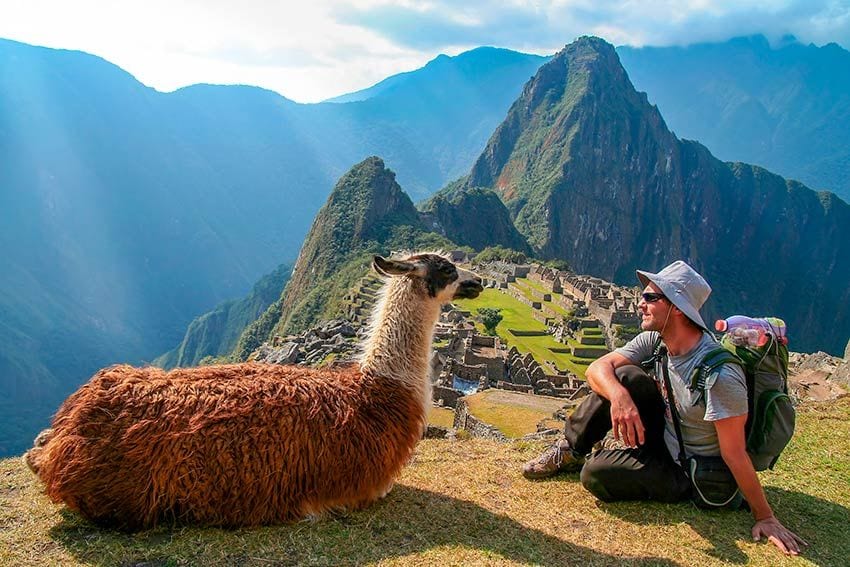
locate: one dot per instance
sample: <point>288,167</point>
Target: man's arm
<point>733,449</point>
<point>625,419</point>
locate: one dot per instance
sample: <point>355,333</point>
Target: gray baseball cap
<point>683,286</point>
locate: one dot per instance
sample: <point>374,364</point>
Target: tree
<point>490,317</point>
<point>495,253</point>
<point>560,265</point>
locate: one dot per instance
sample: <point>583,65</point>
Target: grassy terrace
<point>513,413</point>
<point>465,503</point>
<point>525,286</point>
<point>443,417</point>
<point>524,290</point>
<point>534,285</point>
<point>517,315</point>
<point>574,364</point>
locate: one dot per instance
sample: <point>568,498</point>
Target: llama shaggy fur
<point>249,444</point>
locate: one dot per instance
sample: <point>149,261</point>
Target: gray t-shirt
<point>725,394</point>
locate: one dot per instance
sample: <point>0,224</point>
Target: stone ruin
<point>526,375</point>
<point>338,337</point>
<point>614,307</point>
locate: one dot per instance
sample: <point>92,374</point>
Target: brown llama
<point>250,444</point>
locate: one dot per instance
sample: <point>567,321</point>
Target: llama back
<point>230,445</point>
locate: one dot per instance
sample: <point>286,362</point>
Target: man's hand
<point>780,536</point>
<point>625,420</point>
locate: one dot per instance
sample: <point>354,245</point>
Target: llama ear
<point>391,267</point>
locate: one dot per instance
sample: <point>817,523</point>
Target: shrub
<point>490,317</point>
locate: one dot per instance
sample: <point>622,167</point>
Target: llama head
<point>432,275</point>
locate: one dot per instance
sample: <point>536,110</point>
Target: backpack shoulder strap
<point>658,352</point>
<point>713,360</point>
<point>671,403</point>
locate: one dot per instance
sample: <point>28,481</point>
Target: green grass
<point>556,308</point>
<point>517,315</point>
<point>525,291</point>
<point>466,503</point>
<point>534,285</point>
<point>526,285</point>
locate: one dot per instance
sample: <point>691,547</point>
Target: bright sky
<point>310,50</point>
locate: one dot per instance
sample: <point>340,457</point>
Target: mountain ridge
<point>437,65</point>
<point>216,333</point>
<point>783,106</point>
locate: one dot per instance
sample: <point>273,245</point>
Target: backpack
<point>771,418</point>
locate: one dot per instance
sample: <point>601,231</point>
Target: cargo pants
<point>647,472</point>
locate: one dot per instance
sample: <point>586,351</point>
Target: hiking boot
<point>560,457</point>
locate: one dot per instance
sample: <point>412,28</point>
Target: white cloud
<point>297,49</point>
<point>313,50</point>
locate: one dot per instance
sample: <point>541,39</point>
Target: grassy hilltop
<point>465,503</point>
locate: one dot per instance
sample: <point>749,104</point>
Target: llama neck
<point>401,333</point>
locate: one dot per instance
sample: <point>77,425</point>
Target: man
<point>627,401</point>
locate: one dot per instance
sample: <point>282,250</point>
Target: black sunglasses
<point>652,297</point>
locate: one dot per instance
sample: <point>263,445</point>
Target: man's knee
<point>639,384</point>
<point>632,374</point>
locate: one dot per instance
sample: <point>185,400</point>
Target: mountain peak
<point>365,194</point>
<point>581,96</point>
<point>362,197</point>
<point>449,75</point>
<point>361,213</point>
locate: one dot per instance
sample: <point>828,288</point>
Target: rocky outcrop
<point>457,215</point>
<point>818,376</point>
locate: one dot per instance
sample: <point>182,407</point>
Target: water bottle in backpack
<point>752,332</point>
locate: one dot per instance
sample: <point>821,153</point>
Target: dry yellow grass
<point>443,417</point>
<point>465,503</point>
<point>513,413</point>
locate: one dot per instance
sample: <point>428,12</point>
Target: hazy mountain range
<point>125,213</point>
